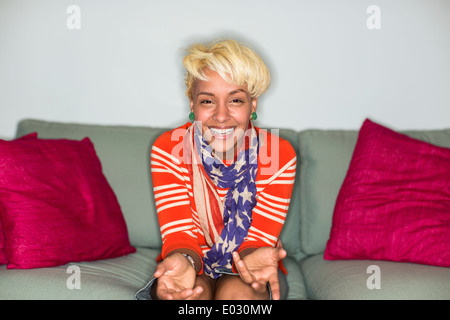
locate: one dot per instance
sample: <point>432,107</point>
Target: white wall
<point>123,66</point>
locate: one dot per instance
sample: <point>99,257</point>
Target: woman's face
<point>224,110</point>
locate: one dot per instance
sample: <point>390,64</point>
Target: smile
<point>221,132</point>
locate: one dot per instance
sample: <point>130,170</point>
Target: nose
<point>221,113</point>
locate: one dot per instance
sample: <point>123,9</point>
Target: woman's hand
<point>176,279</point>
<point>261,267</point>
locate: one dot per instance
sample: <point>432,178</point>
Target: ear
<point>254,104</point>
<point>191,105</point>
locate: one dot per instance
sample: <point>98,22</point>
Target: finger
<point>188,294</point>
<point>259,287</point>
<point>185,294</point>
<point>160,270</point>
<point>244,273</point>
<point>175,294</point>
<point>275,288</point>
<point>162,291</point>
<point>196,293</point>
<point>281,253</point>
<point>158,273</point>
<point>164,295</point>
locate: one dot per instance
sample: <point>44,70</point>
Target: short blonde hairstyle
<point>234,62</point>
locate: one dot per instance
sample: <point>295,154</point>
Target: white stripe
<point>162,194</point>
<point>285,175</point>
<point>268,181</point>
<point>162,161</point>
<point>283,182</point>
<point>271,180</point>
<point>267,215</point>
<point>268,236</point>
<point>271,197</point>
<point>180,177</point>
<point>177,165</point>
<point>192,234</point>
<point>196,221</point>
<point>169,156</point>
<point>167,186</point>
<point>174,223</point>
<point>261,238</point>
<point>272,204</point>
<point>280,213</point>
<point>175,204</point>
<point>176,230</point>
<point>200,231</point>
<point>185,196</point>
<point>199,228</point>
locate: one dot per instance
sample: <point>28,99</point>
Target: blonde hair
<point>234,62</point>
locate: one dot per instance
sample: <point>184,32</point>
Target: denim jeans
<point>144,293</point>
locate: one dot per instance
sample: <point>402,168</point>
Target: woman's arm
<point>175,273</point>
<point>171,188</point>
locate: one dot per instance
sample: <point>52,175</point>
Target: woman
<point>222,186</point>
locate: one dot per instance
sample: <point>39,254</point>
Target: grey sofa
<point>323,158</point>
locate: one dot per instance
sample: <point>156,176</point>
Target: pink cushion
<point>56,205</point>
<point>394,203</point>
<point>3,259</point>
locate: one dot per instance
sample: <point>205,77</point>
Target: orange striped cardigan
<point>175,205</point>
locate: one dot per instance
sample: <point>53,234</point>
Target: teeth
<point>221,131</point>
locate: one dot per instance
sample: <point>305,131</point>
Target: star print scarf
<point>225,224</point>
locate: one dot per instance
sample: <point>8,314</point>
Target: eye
<point>206,101</point>
<point>237,101</point>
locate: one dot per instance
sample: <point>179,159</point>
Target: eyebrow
<point>205,93</point>
<point>212,94</point>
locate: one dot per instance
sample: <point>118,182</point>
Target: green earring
<point>254,116</point>
<point>191,116</point>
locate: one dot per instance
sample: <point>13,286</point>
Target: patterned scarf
<point>225,224</point>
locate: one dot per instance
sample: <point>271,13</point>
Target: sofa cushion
<point>294,278</point>
<point>373,279</point>
<point>324,159</point>
<point>125,156</point>
<point>115,279</point>
<point>56,205</point>
<point>394,203</point>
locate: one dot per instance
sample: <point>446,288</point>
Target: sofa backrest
<point>323,157</point>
